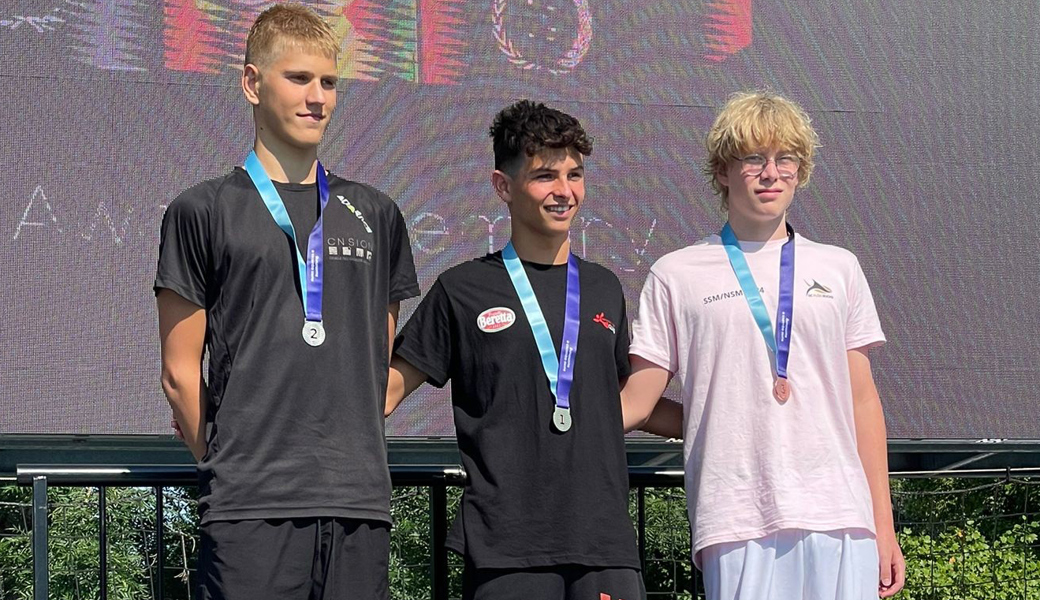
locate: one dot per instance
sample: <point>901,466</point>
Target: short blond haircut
<point>288,25</point>
<point>753,121</point>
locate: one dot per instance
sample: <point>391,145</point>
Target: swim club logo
<point>605,322</point>
<point>496,319</point>
<point>349,248</point>
<point>355,212</point>
<point>818,290</point>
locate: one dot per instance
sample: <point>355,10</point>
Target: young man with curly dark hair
<point>535,343</point>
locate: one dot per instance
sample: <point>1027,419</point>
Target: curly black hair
<point>525,128</point>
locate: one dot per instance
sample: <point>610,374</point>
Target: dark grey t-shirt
<point>534,497</point>
<point>292,430</point>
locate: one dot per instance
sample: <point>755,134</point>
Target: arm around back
<point>641,404</point>
<point>403,378</point>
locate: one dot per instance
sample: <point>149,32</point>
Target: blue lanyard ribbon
<point>780,343</point>
<point>312,269</point>
<point>559,370</point>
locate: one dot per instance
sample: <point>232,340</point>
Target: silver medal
<point>313,333</point>
<point>562,419</point>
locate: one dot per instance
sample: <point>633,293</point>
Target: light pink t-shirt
<point>753,465</point>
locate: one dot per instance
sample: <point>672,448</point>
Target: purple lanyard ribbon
<point>311,271</point>
<point>558,369</point>
<point>780,343</point>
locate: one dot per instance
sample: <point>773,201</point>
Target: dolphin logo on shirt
<point>817,289</point>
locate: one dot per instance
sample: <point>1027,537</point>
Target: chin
<point>556,230</point>
<point>306,143</point>
<point>770,211</point>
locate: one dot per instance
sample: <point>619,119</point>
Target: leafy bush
<point>962,541</point>
<point>974,543</point>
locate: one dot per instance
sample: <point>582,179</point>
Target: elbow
<point>174,383</point>
<point>633,419</point>
<point>393,400</point>
<point>636,421</point>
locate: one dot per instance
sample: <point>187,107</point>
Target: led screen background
<point>927,113</point>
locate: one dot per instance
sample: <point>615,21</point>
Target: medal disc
<point>782,389</point>
<point>562,419</point>
<point>313,333</point>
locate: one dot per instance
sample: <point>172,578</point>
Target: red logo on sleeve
<point>604,322</point>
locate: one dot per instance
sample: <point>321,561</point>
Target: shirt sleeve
<point>653,329</point>
<point>403,282</point>
<point>425,340</point>
<point>184,249</point>
<point>862,327</point>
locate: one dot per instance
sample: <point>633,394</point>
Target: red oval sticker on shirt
<point>496,319</point>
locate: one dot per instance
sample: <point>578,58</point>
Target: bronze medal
<point>782,389</point>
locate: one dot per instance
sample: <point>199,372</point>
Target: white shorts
<point>794,564</point>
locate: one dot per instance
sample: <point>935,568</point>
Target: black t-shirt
<point>535,497</point>
<point>292,431</point>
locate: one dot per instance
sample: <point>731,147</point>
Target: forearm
<point>182,334</point>
<point>634,415</point>
<point>872,445</point>
<point>640,399</point>
<point>186,392</point>
<point>666,420</point>
<point>394,388</point>
<point>402,380</point>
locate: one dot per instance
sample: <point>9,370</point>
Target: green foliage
<point>15,546</point>
<point>974,543</point>
<point>73,547</point>
<point>962,541</point>
<point>668,571</point>
<point>410,548</point>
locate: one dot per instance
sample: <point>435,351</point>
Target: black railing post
<point>103,541</point>
<point>438,536</point>
<point>39,538</point>
<point>159,530</point>
<point>641,520</point>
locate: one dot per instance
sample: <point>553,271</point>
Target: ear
<point>251,84</point>
<point>502,184</point>
<point>722,177</point>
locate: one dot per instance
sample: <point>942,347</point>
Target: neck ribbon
<point>558,369</point>
<point>311,270</point>
<point>780,342</point>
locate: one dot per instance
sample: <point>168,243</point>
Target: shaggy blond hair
<point>288,25</point>
<point>754,121</point>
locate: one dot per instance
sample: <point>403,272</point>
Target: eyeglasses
<point>786,165</point>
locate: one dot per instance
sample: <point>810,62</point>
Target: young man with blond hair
<point>785,445</point>
<point>290,277</point>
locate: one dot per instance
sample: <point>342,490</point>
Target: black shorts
<point>294,559</point>
<point>565,582</point>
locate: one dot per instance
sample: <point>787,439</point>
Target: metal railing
<point>437,478</point>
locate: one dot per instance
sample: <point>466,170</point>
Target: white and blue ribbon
<point>311,270</point>
<point>780,342</point>
<point>558,369</point>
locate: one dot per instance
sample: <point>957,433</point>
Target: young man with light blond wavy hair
<point>290,278</point>
<point>768,333</point>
